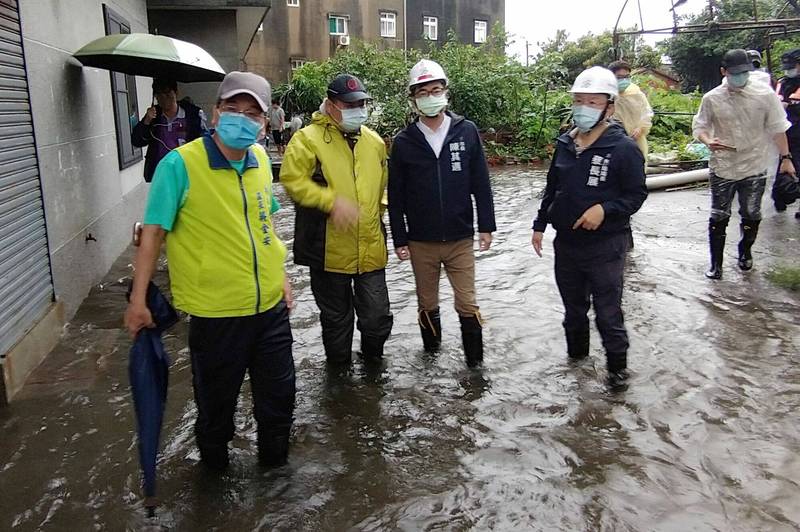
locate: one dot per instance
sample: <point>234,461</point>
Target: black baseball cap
<point>790,59</point>
<point>736,61</point>
<point>347,88</point>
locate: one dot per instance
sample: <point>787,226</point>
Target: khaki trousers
<point>458,259</point>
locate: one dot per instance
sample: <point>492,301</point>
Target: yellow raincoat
<point>634,111</point>
<point>318,166</point>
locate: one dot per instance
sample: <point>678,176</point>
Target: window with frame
<point>430,28</point>
<point>337,25</point>
<point>293,3</point>
<point>388,24</point>
<point>123,97</point>
<point>481,31</point>
<point>297,63</point>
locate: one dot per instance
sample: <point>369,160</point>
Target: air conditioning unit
<point>344,40</point>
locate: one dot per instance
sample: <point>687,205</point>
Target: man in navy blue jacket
<point>437,165</point>
<point>595,183</point>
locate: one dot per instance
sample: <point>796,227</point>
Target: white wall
<point>83,187</point>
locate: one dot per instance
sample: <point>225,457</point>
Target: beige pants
<point>458,259</point>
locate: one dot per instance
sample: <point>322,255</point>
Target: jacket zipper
<point>441,200</point>
<point>252,243</point>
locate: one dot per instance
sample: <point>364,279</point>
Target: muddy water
<point>705,438</point>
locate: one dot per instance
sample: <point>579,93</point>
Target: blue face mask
<point>738,80</point>
<point>237,131</point>
<point>623,84</point>
<point>586,117</point>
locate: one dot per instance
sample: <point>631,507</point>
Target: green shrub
<point>785,276</point>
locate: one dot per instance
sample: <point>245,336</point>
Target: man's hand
<point>787,167</point>
<point>288,297</point>
<point>536,242</point>
<point>344,213</point>
<point>137,317</point>
<point>484,241</point>
<point>403,253</point>
<point>150,115</point>
<point>636,133</point>
<point>591,219</point>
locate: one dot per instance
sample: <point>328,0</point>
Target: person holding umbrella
<point>168,124</point>
<point>211,199</point>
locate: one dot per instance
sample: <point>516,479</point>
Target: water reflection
<point>703,439</point>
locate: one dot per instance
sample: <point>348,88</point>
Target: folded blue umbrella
<point>148,371</point>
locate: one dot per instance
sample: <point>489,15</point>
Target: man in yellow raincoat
<point>335,170</point>
<point>632,107</point>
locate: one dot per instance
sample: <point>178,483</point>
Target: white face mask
<point>431,105</point>
<point>790,73</point>
<point>353,119</point>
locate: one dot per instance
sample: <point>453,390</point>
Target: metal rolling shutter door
<point>26,287</point>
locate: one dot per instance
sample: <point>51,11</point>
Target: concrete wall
<point>459,15</point>
<point>83,187</point>
<point>302,32</point>
<point>84,191</point>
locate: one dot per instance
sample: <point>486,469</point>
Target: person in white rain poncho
<point>735,120</point>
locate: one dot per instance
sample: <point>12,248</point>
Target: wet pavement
<point>705,438</point>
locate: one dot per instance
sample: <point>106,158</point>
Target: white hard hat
<point>596,80</point>
<point>426,71</point>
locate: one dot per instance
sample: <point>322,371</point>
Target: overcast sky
<point>538,20</point>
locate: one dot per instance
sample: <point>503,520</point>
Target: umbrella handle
<point>137,233</point>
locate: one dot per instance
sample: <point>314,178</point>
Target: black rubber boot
<point>472,337</point>
<point>214,456</point>
<point>273,445</point>
<point>371,348</point>
<point>617,364</point>
<point>749,232</point>
<point>430,325</point>
<point>716,241</point>
<point>577,344</point>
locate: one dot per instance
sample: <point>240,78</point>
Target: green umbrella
<point>155,56</point>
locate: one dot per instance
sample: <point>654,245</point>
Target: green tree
<point>598,49</point>
<point>696,57</point>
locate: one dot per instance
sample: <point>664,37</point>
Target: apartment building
<point>296,31</point>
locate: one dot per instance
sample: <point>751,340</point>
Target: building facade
<point>471,20</point>
<point>71,182</point>
<point>296,31</point>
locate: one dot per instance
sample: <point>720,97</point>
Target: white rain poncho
<point>747,119</point>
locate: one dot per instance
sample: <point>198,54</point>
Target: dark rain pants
<point>592,273</point>
<point>749,191</point>
<point>338,296</point>
<point>222,350</point>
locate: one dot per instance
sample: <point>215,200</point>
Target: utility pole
<point>527,54</point>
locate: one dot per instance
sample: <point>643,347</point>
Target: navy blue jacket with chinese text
<point>609,172</point>
<point>430,198</point>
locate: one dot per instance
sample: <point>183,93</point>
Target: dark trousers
<point>338,295</point>
<point>592,273</point>
<point>748,190</point>
<point>222,350</point>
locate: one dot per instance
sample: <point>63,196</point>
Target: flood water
<point>706,437</point>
